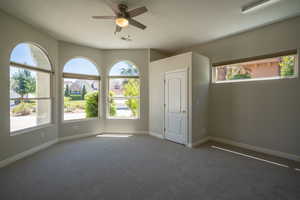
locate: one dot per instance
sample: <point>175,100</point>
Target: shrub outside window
<point>124,91</point>
<point>269,67</point>
<point>30,88</point>
<point>81,89</point>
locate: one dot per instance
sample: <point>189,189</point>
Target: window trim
<point>138,117</point>
<point>267,56</point>
<point>51,97</point>
<point>30,129</point>
<point>82,77</point>
<point>28,67</point>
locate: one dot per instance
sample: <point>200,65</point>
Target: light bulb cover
<point>122,22</point>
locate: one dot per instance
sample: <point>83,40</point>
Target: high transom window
<point>123,91</point>
<point>277,66</point>
<point>81,89</point>
<point>30,88</point>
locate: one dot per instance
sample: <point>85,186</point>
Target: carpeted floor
<point>142,167</point>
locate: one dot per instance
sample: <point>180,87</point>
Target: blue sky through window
<point>123,68</point>
<point>81,66</point>
<point>29,54</point>
<point>21,54</point>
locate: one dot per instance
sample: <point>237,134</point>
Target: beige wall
<point>199,71</point>
<point>105,59</point>
<point>200,96</point>
<point>139,57</point>
<point>157,71</point>
<point>262,113</point>
<point>259,113</point>
<point>68,51</point>
<point>13,32</point>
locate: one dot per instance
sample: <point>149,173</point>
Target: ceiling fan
<point>123,17</point>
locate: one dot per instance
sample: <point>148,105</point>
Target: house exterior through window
<point>271,67</point>
<point>81,89</point>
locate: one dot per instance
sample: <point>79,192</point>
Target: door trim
<point>188,85</point>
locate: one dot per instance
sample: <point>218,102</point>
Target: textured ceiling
<point>172,24</point>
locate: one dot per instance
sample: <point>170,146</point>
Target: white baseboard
<point>36,149</point>
<point>201,141</point>
<point>156,135</point>
<point>73,137</point>
<point>31,151</point>
<point>26,153</point>
<point>126,132</point>
<point>257,149</point>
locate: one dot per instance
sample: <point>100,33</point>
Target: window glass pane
<point>123,68</point>
<point>80,98</point>
<point>30,54</point>
<point>29,84</point>
<point>124,87</point>
<point>81,66</point>
<point>28,114</point>
<point>278,67</point>
<point>124,108</point>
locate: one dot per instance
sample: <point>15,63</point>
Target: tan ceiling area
<point>171,24</point>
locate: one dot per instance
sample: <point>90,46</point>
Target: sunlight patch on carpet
<point>114,135</point>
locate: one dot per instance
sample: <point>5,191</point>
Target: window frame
<point>295,52</point>
<point>137,97</point>
<point>51,96</point>
<point>67,75</point>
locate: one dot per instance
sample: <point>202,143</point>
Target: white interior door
<point>176,106</point>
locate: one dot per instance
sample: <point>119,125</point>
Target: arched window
<point>30,88</point>
<point>124,91</point>
<point>81,89</point>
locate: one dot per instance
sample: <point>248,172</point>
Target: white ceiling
<point>172,24</point>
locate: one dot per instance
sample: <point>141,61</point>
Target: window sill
<point>123,118</point>
<point>24,131</point>
<point>254,79</point>
<point>80,120</point>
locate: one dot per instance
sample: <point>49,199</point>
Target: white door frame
<point>188,85</point>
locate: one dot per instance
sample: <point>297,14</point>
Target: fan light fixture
<point>122,22</point>
<point>123,17</point>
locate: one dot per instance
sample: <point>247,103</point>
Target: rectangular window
<point>81,98</point>
<point>30,98</point>
<point>124,98</point>
<point>280,66</point>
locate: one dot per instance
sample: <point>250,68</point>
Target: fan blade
<point>113,6</point>
<point>136,24</point>
<point>104,17</point>
<point>137,11</point>
<point>118,29</point>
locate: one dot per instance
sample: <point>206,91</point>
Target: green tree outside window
<point>23,83</point>
<point>132,89</point>
<point>287,65</point>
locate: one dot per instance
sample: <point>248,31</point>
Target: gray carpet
<point>142,167</point>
